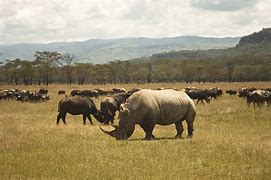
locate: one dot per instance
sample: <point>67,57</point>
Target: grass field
<point>231,141</point>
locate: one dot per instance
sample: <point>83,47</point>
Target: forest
<point>54,67</point>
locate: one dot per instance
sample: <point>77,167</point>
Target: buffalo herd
<point>24,95</point>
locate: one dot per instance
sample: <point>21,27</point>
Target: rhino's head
<point>125,128</point>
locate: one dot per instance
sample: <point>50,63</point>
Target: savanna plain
<point>231,141</point>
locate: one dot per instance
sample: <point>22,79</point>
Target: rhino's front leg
<point>148,128</point>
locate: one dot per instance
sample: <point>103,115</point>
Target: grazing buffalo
<point>3,95</point>
<point>258,97</point>
<point>150,107</point>
<point>43,91</point>
<point>268,97</point>
<point>243,92</point>
<point>198,94</point>
<point>118,90</point>
<point>32,96</point>
<point>77,105</point>
<point>101,91</point>
<point>214,92</point>
<point>90,93</point>
<point>110,105</point>
<point>61,92</point>
<point>231,92</point>
<point>76,92</point>
<point>8,94</point>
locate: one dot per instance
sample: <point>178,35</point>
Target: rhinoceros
<point>76,105</point>
<point>150,107</point>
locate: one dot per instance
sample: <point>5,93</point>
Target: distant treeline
<point>54,67</point>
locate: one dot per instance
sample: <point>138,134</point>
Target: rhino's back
<point>163,106</point>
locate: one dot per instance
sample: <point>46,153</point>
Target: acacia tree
<point>113,68</point>
<point>12,68</point>
<point>84,72</point>
<point>126,71</point>
<point>68,60</point>
<point>47,61</point>
<point>26,72</point>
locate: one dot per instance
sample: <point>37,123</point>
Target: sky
<point>44,21</point>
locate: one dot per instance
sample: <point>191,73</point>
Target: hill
<point>105,50</point>
<point>257,43</point>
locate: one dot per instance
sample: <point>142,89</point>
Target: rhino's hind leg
<point>190,120</point>
<point>148,128</point>
<point>179,128</point>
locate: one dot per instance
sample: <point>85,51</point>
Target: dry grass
<point>231,141</point>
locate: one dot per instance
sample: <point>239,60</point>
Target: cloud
<point>36,21</point>
<point>223,5</point>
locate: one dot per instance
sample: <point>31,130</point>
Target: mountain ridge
<point>257,43</point>
<point>105,50</point>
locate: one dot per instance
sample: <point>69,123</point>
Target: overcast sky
<point>43,21</point>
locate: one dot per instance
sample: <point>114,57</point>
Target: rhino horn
<point>111,133</point>
<point>115,126</point>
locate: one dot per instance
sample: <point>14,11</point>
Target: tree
<point>68,60</point>
<point>113,68</point>
<point>83,72</point>
<point>47,60</point>
<point>12,68</point>
<point>126,72</point>
<point>230,70</point>
<point>26,72</point>
<point>149,76</point>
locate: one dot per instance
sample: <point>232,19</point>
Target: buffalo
<point>198,94</point>
<point>90,93</point>
<point>75,92</point>
<point>118,90</point>
<point>243,92</point>
<point>231,92</point>
<point>61,92</point>
<point>258,97</point>
<point>77,105</point>
<point>110,105</point>
<point>43,91</point>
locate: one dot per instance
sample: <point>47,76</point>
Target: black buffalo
<point>231,92</point>
<point>61,92</point>
<point>77,105</point>
<point>213,93</point>
<point>75,92</point>
<point>259,97</point>
<point>43,91</point>
<point>198,94</point>
<point>243,92</point>
<point>110,105</point>
<point>90,93</point>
